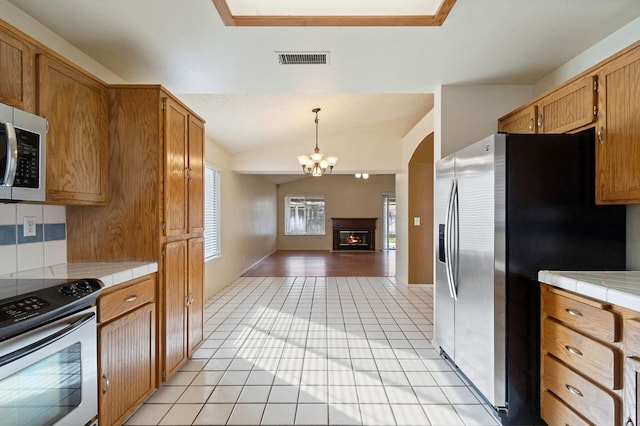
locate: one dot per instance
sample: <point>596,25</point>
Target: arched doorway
<point>421,213</point>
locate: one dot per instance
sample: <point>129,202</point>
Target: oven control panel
<point>21,307</point>
<point>42,301</point>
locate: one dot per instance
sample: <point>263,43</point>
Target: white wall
<point>42,34</point>
<point>468,113</point>
<point>248,221</point>
<point>371,149</point>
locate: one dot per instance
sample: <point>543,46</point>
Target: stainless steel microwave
<point>22,155</point>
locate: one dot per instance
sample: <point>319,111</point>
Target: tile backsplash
<point>48,247</point>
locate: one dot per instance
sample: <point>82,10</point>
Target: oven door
<point>49,375</point>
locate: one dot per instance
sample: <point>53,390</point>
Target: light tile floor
<point>316,351</point>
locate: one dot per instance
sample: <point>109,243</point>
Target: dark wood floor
<point>319,263</point>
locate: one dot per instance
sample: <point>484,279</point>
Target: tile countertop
<point>110,273</point>
<point>620,288</point>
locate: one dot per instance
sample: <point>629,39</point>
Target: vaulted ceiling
<point>232,77</point>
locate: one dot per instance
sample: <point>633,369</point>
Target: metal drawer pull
<point>573,350</point>
<point>573,313</point>
<point>105,383</point>
<point>573,390</point>
<point>131,298</point>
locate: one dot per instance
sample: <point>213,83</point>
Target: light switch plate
<point>416,221</point>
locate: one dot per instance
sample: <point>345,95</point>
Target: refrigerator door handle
<point>449,237</point>
<point>454,240</point>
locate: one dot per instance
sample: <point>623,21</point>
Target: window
<point>304,215</point>
<point>211,212</point>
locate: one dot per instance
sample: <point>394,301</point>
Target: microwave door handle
<point>12,155</point>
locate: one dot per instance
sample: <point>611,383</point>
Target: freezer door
<point>444,307</point>
<point>480,308</point>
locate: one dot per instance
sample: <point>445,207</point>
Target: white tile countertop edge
<point>110,273</point>
<point>621,288</point>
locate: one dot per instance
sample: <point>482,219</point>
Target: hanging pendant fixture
<point>316,164</point>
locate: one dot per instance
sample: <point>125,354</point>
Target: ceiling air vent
<point>303,58</point>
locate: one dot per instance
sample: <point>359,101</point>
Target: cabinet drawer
<point>593,359</point>
<point>589,400</point>
<point>555,412</point>
<point>589,317</point>
<point>125,299</point>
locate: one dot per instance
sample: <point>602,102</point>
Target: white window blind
<point>211,212</point>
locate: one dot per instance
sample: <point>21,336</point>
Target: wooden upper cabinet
<point>618,130</point>
<point>196,175</point>
<point>522,120</point>
<point>17,71</point>
<point>176,165</point>
<point>570,107</point>
<point>76,107</point>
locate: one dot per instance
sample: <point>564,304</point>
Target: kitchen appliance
<point>22,155</point>
<point>48,351</point>
<point>506,207</point>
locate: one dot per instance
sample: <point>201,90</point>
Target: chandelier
<point>316,164</point>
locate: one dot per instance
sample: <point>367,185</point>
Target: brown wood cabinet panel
<point>555,412</point>
<point>175,167</point>
<point>128,228</point>
<point>618,148</point>
<point>76,107</point>
<point>18,82</point>
<point>570,107</point>
<point>593,359</point>
<point>582,314</point>
<point>174,307</point>
<point>196,175</point>
<point>122,299</point>
<point>594,403</point>
<point>127,349</point>
<point>522,120</point>
<point>195,318</point>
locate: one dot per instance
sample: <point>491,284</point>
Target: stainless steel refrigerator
<point>506,207</point>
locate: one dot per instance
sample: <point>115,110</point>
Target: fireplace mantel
<point>354,233</point>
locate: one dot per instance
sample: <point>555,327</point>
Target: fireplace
<point>354,233</point>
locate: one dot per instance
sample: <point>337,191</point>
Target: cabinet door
<point>570,107</point>
<point>196,175</point>
<point>127,349</point>
<point>196,293</point>
<point>174,311</point>
<point>175,167</point>
<point>18,82</point>
<point>618,147</point>
<point>77,141</point>
<point>520,121</point>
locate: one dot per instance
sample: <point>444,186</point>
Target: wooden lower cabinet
<point>195,319</point>
<point>127,349</point>
<point>174,308</point>
<point>183,304</point>
<point>583,378</point>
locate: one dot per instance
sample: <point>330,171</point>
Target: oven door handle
<point>29,349</point>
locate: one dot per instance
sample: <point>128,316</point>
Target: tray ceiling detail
<point>333,13</point>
